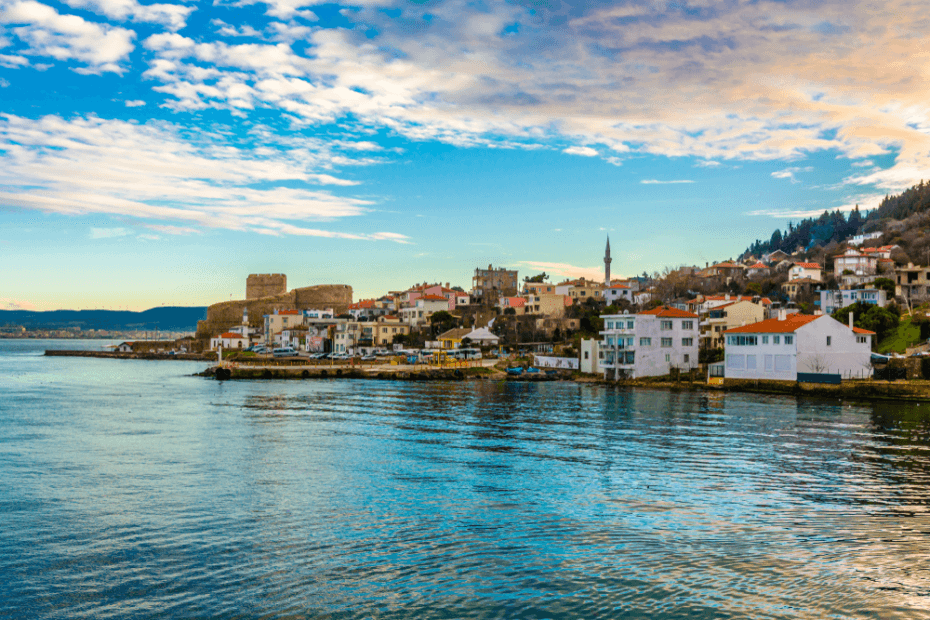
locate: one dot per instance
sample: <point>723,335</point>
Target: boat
<point>518,370</point>
<point>532,370</point>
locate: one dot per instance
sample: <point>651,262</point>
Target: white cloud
<point>109,233</point>
<point>7,303</point>
<point>168,183</point>
<point>45,32</point>
<point>13,62</point>
<point>658,182</point>
<point>134,103</point>
<point>173,16</point>
<point>585,151</point>
<point>788,173</point>
<point>4,83</point>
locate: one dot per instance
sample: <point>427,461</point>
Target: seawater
<point>131,489</point>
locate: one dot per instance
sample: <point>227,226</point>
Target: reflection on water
<point>132,490</point>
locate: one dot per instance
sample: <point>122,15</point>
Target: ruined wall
<point>259,285</point>
<point>224,315</point>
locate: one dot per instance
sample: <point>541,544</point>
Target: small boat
<point>531,369</point>
<point>518,370</point>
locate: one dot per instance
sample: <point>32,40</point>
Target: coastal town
<point>775,317</point>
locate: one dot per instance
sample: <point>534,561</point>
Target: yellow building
<point>386,328</point>
<point>719,319</point>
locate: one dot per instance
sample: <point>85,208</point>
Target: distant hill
<point>903,219</point>
<point>164,318</point>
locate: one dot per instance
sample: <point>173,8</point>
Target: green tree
<point>885,284</point>
<point>874,318</point>
<point>541,277</point>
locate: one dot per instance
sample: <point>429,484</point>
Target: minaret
<point>607,260</point>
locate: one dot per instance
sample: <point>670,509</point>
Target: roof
<point>515,302</point>
<point>808,265</point>
<point>669,313</point>
<point>859,330</point>
<point>230,335</point>
<point>619,286</point>
<point>365,303</point>
<point>433,298</point>
<point>455,334</point>
<point>759,265</point>
<point>289,312</point>
<point>774,326</point>
<point>765,301</point>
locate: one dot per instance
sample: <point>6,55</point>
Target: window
<point>610,325</point>
<point>687,324</point>
<point>736,362</point>
<point>668,357</point>
<point>586,355</point>
<point>776,339</point>
<point>687,358</point>
<point>862,340</point>
<point>741,341</point>
<point>645,342</point>
<point>765,339</point>
<point>750,362</point>
<point>666,325</point>
<point>629,324</point>
<point>666,342</point>
<point>782,363</point>
<point>687,342</point>
<point>789,339</point>
<point>829,340</point>
<point>769,363</point>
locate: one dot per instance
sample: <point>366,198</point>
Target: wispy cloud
<point>151,173</point>
<point>788,173</point>
<point>109,233</point>
<point>585,151</point>
<point>134,103</point>
<point>566,270</point>
<point>657,182</point>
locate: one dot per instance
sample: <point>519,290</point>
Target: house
<point>727,316</point>
<point>517,303</point>
<point>775,257</point>
<point>124,347</point>
<point>551,305</point>
<point>588,358</point>
<point>424,307</point>
<point>726,271</point>
<point>452,339</point>
<point>704,303</point>
<point>855,262</point>
<point>491,283</point>
<point>368,308</point>
<point>649,343</point>
<point>793,288</point>
<point>386,328</point>
<point>229,340</point>
<point>758,269</point>
<point>538,288</point>
<point>805,271</point>
<point>913,283</point>
<point>281,319</point>
<point>780,348</point>
<point>860,239</point>
<point>883,252</point>
<point>581,289</point>
<point>482,336</point>
<point>831,301</point>
<point>616,292</point>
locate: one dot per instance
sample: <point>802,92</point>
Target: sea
<point>134,489</point>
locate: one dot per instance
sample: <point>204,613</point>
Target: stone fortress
<point>264,293</point>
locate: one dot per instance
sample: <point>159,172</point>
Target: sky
<point>157,154</point>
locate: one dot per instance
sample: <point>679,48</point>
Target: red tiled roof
<point>807,265</point>
<point>773,326</point>
<point>727,265</point>
<point>515,302</point>
<point>289,312</point>
<point>759,265</point>
<point>434,298</point>
<point>230,335</point>
<point>669,313</point>
<point>620,286</point>
<point>364,303</point>
<point>859,330</point>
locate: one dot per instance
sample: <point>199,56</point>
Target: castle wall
<point>259,285</point>
<point>227,314</point>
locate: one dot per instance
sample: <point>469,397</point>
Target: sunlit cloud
<point>657,182</point>
<point>566,270</point>
<point>585,151</point>
<point>788,173</point>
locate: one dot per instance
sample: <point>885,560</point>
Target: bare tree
<point>815,363</point>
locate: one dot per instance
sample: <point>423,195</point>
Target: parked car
<point>284,352</point>
<point>368,358</point>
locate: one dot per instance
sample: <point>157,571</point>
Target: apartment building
<point>649,344</point>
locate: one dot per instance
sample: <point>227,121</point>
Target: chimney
<point>850,320</point>
<point>726,297</point>
<point>782,314</point>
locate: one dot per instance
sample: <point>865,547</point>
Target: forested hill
<point>164,318</point>
<point>834,226</point>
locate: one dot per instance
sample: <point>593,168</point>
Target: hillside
<point>162,318</point>
<point>904,218</point>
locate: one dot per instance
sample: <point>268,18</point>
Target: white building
<point>588,359</point>
<point>831,301</point>
<point>617,292</point>
<point>424,307</point>
<point>860,239</point>
<point>855,262</point>
<point>805,271</point>
<point>229,340</point>
<point>780,348</point>
<point>650,343</point>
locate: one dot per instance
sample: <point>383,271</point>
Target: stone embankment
<point>190,357</point>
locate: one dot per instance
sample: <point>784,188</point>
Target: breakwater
<point>190,357</point>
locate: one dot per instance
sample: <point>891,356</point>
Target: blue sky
<point>158,153</point>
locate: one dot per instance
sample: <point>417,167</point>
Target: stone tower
<point>259,285</point>
<point>607,260</point>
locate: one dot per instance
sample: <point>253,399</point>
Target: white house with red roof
<point>881,252</point>
<point>616,292</point>
<point>423,308</point>
<point>805,271</point>
<point>856,262</point>
<point>706,303</point>
<point>648,344</point>
<point>758,269</point>
<point>780,348</point>
<point>229,340</point>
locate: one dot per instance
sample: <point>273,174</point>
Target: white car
<point>284,351</point>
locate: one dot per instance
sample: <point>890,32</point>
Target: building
<point>281,319</point>
<point>855,262</point>
<point>517,303</point>
<point>649,344</point>
<point>550,305</point>
<point>913,283</point>
<point>831,301</point>
<point>386,328</point>
<point>490,283</point>
<point>229,340</point>
<point>758,269</point>
<point>805,271</point>
<point>780,348</point>
<point>258,285</point>
<point>589,356</point>
<point>704,303</point>
<point>860,239</point>
<point>883,252</point>
<point>794,288</point>
<point>617,292</point>
<point>538,288</point>
<point>720,318</point>
<point>424,307</point>
<point>580,290</point>
<point>726,271</point>
<point>775,257</point>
